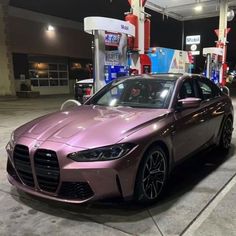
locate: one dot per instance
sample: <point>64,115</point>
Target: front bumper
<point>38,193</point>
<point>79,181</point>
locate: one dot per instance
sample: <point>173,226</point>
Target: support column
<point>99,58</point>
<point>7,85</point>
<point>138,10</point>
<point>223,21</point>
<point>183,36</point>
<point>222,38</point>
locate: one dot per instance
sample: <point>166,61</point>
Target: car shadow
<point>186,176</point>
<point>183,179</point>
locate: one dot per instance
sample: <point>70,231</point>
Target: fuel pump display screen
<point>112,39</point>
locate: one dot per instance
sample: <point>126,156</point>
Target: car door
<point>213,106</point>
<point>190,127</point>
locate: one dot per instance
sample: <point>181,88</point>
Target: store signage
<point>193,44</point>
<point>194,39</point>
<point>94,23</point>
<point>194,49</point>
<point>124,27</point>
<point>195,53</point>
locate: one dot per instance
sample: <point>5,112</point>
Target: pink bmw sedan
<point>123,142</point>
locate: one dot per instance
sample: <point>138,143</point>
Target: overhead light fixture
<point>50,28</point>
<point>198,8</point>
<point>230,15</point>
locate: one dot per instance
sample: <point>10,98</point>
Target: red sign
<point>217,32</point>
<point>226,32</point>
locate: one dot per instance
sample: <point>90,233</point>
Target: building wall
<point>6,79</point>
<point>31,37</point>
<point>29,40</point>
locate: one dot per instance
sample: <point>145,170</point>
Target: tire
<point>226,134</point>
<point>152,176</point>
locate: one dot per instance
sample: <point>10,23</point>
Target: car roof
<point>163,76</point>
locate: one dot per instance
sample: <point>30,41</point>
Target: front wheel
<point>226,135</point>
<point>152,175</point>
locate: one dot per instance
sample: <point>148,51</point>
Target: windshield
<point>143,93</point>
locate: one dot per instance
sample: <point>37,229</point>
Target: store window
<point>48,74</point>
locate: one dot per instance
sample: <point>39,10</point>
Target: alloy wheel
<point>154,174</point>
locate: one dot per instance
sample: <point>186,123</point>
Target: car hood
<point>90,126</point>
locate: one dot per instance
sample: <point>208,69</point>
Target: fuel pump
<point>213,63</point>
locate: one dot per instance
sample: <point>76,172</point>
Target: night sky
<point>164,32</point>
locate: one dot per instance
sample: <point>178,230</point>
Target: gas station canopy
<point>188,9</point>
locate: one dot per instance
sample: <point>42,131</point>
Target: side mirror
<point>187,103</point>
<point>225,90</point>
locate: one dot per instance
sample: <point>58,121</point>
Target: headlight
<point>12,139</point>
<point>11,142</point>
<point>102,154</point>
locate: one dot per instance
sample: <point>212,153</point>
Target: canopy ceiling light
<point>230,15</point>
<point>198,8</point>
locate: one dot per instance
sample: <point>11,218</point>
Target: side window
<point>186,90</point>
<point>206,90</point>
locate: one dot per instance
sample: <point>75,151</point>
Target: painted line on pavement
<point>208,209</point>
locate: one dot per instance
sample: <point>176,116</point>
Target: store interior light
<point>198,8</point>
<point>50,28</point>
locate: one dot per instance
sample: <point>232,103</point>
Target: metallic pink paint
<point>92,126</point>
<point>84,128</point>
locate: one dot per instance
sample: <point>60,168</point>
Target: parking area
<point>199,200</point>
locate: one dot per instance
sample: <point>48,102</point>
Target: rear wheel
<point>152,176</point>
<point>226,135</point>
